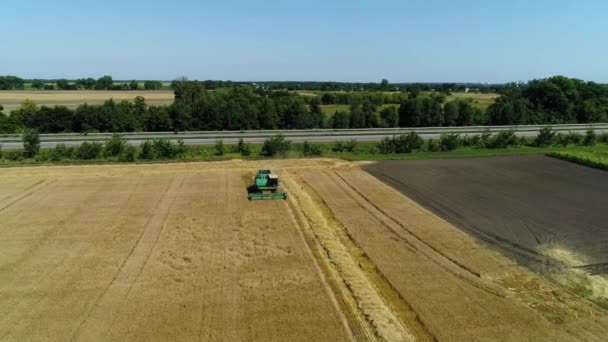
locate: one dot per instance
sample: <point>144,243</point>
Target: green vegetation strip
<point>595,159</point>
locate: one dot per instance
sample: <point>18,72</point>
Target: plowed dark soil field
<point>528,205</point>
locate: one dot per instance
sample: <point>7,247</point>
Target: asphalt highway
<point>316,135</point>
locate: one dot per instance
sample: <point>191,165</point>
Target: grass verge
<point>593,158</point>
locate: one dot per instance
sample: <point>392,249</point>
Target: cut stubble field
<point>176,252</point>
<point>12,99</point>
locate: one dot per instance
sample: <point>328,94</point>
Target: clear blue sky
<point>339,40</point>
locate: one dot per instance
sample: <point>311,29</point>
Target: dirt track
<point>176,252</point>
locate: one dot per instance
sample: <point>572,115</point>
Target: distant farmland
<point>73,98</point>
<point>482,101</point>
<point>12,99</point>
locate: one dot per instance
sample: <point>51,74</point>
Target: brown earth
<point>525,204</point>
<point>176,252</point>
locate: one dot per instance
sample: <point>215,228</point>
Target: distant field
<point>483,101</point>
<point>331,109</point>
<point>72,98</point>
<point>11,100</point>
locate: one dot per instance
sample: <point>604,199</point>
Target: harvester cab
<point>266,186</point>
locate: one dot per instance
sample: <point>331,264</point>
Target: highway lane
<point>258,137</point>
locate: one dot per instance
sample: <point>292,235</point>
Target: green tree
<point>134,85</point>
<point>153,85</point>
<point>389,116</point>
<point>384,85</point>
<point>31,143</point>
<point>181,116</point>
<point>63,84</point>
<point>37,84</point>
<point>104,83</point>
<point>186,91</point>
<point>26,112</point>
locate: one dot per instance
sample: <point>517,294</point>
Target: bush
<point>449,141</point>
<point>468,141</point>
<point>147,151</point>
<point>575,138</point>
<point>89,150</point>
<point>590,138</point>
<point>545,137</point>
<point>432,146</point>
<point>483,140</point>
<point>345,146</point>
<point>220,150</point>
<point>31,143</point>
<point>562,139</point>
<point>115,145</point>
<point>386,146</point>
<point>61,152</point>
<point>42,156</point>
<point>603,138</point>
<point>13,155</point>
<point>164,148</point>
<point>309,149</point>
<point>0,151</point>
<point>275,145</point>
<point>127,154</point>
<point>503,139</point>
<point>181,148</point>
<point>404,143</point>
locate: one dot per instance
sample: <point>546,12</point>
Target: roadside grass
<point>362,151</point>
<point>596,158</point>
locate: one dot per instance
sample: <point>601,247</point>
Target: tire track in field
<point>28,193</point>
<point>29,254</point>
<point>369,303</point>
<point>160,231</point>
<point>18,192</point>
<point>452,216</point>
<point>140,247</point>
<point>446,262</point>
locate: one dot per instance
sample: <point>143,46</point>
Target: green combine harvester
<point>266,186</point>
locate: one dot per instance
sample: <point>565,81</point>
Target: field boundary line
<point>43,183</point>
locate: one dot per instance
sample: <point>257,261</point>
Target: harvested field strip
<point>451,265</point>
<point>451,307</point>
<point>386,325</point>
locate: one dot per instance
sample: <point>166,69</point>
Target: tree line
<point>551,101</point>
<point>102,83</point>
<point>547,101</point>
<point>106,83</point>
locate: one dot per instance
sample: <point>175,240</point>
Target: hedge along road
<point>315,135</point>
